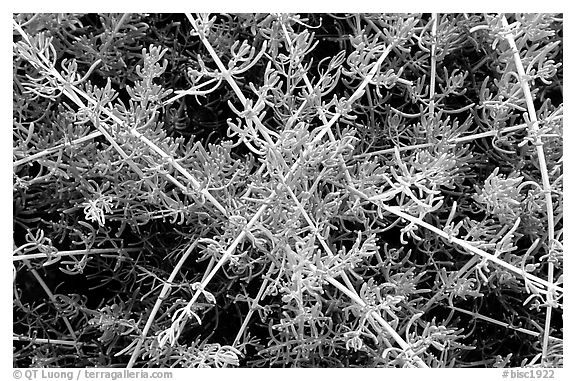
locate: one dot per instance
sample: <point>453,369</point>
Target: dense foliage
<point>320,190</point>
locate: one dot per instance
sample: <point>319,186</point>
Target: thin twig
<point>253,305</point>
<point>51,297</point>
<point>462,139</point>
<point>460,242</point>
<point>71,253</point>
<point>500,323</point>
<point>533,130</point>
<point>165,289</point>
<point>37,340</point>
<point>433,65</point>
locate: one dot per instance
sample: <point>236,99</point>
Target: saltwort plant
<point>359,190</point>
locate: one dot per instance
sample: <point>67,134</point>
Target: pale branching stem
<point>209,268</point>
<point>357,94</point>
<point>165,289</point>
<point>451,280</point>
<point>178,321</point>
<point>352,295</point>
<point>50,341</point>
<point>31,19</point>
<point>460,242</point>
<point>51,296</point>
<point>502,324</point>
<point>360,90</point>
<point>405,114</point>
<point>119,24</point>
<point>195,91</point>
<point>433,64</point>
<point>135,168</point>
<point>349,288</point>
<point>347,281</point>
<point>72,92</point>
<point>123,19</point>
<point>57,148</point>
<point>227,254</point>
<point>468,246</point>
<point>457,110</point>
<point>71,253</point>
<point>226,73</point>
<point>462,139</point>
<point>321,111</point>
<point>253,305</point>
<point>534,129</point>
<point>133,131</point>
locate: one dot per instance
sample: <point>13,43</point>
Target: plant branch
<point>533,130</point>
